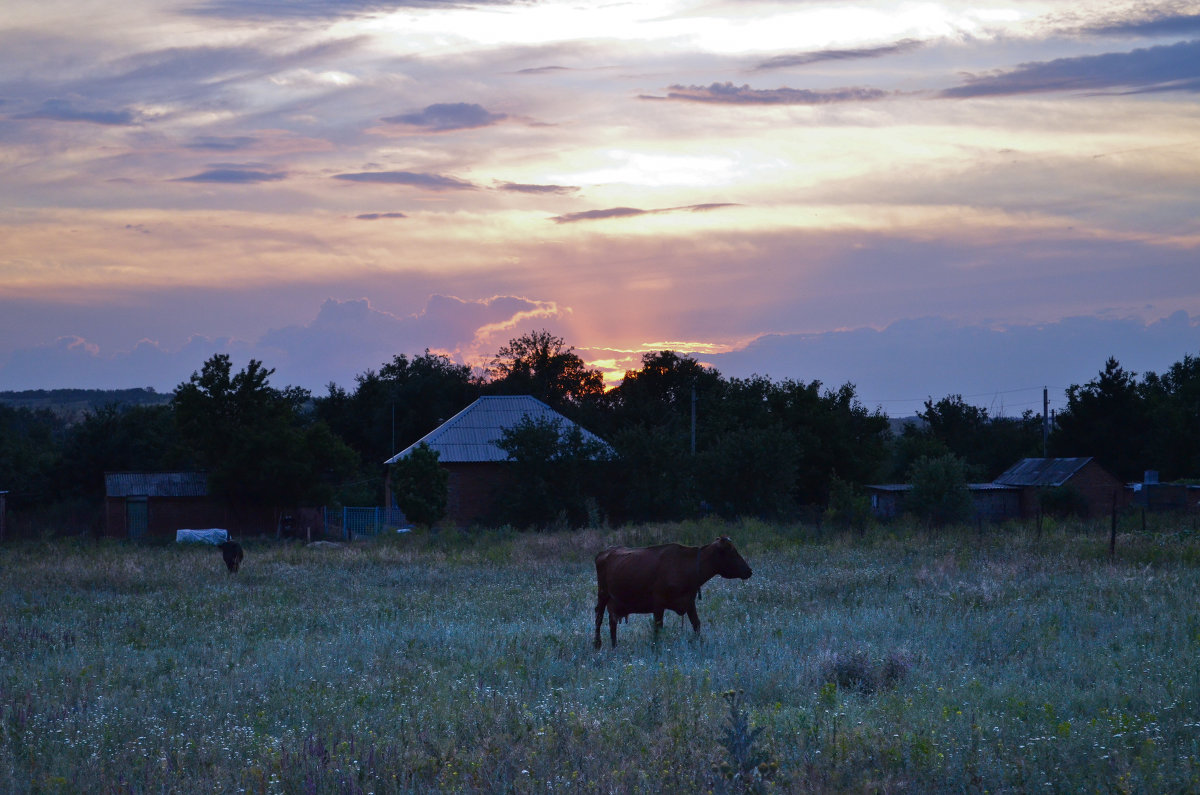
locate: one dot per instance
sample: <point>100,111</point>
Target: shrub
<point>420,486</point>
<point>939,490</point>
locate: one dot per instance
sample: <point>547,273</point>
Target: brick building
<point>467,449</point>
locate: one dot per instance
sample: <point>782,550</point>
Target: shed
<point>989,501</point>
<point>468,449</point>
<point>1099,491</point>
<point>156,504</point>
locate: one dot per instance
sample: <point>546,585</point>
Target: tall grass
<point>901,661</point>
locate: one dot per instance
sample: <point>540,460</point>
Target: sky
<point>918,198</point>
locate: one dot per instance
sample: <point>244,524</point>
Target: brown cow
<point>660,578</point>
<point>231,551</point>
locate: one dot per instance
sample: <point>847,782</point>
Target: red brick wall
<point>1098,487</point>
<point>473,490</point>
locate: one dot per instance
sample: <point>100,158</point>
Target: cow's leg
<point>658,621</point>
<point>612,627</point>
<point>601,603</point>
<point>694,618</point>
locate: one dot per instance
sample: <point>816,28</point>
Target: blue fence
<point>352,523</point>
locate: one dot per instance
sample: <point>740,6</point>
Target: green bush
<point>420,486</point>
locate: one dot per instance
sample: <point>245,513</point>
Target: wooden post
<point>1112,538</point>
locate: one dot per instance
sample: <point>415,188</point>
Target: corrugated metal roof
<point>899,487</point>
<point>1042,471</point>
<point>470,436</point>
<point>155,484</point>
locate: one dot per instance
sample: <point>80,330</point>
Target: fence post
<point>1112,539</point>
<point>345,523</point>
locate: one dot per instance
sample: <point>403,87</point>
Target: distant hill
<point>72,404</point>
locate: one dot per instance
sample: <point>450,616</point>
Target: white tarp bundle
<point>213,536</point>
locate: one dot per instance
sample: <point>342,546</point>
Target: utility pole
<point>1045,422</point>
<point>693,420</point>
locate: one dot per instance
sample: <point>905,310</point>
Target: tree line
<point>684,440</point>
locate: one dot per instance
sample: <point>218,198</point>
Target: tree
<point>939,490</point>
<point>986,445</point>
<point>554,474</point>
<point>114,438</point>
<point>420,485</point>
<point>255,441</point>
<point>540,364</point>
<point>1108,419</point>
<point>391,409</point>
<point>751,472</point>
<point>660,392</point>
<point>30,451</point>
<point>1173,408</point>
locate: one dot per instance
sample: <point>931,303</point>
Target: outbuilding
<point>138,505</point>
<point>1096,490</point>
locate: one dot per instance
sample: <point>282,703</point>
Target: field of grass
<point>898,662</point>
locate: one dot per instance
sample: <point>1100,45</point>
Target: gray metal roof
<point>156,484</point>
<point>905,487</point>
<point>1042,471</point>
<point>470,436</point>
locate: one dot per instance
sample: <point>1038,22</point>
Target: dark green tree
<point>542,365</point>
<point>120,438</point>
<point>939,493</point>
<point>1108,419</point>
<point>555,474</point>
<point>749,472</point>
<point>391,409</point>
<point>31,444</point>
<point>420,486</point>
<point>256,442</point>
<point>986,445</point>
<point>1173,406</point>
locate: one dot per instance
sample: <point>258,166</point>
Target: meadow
<point>898,661</point>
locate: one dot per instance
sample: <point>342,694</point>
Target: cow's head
<point>729,563</point>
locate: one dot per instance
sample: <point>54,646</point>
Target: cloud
<point>444,117</point>
<point>1003,368</point>
<point>817,56</point>
<point>517,187</point>
<point>343,340</point>
<point>218,144</point>
<point>435,182</point>
<point>377,216</point>
<point>540,70</point>
<point>347,337</point>
<point>1155,25</point>
<point>68,110</point>
<point>235,176</point>
<point>321,9</point>
<point>728,93</point>
<point>1174,67</point>
<point>627,212</point>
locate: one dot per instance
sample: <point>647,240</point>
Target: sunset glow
<point>801,190</point>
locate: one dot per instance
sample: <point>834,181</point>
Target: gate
<point>352,523</point>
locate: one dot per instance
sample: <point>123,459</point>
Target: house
<point>1017,493</point>
<point>1096,490</point>
<point>467,449</point>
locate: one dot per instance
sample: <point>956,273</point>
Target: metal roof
<point>156,484</point>
<point>1042,471</point>
<point>904,487</point>
<point>470,436</point>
